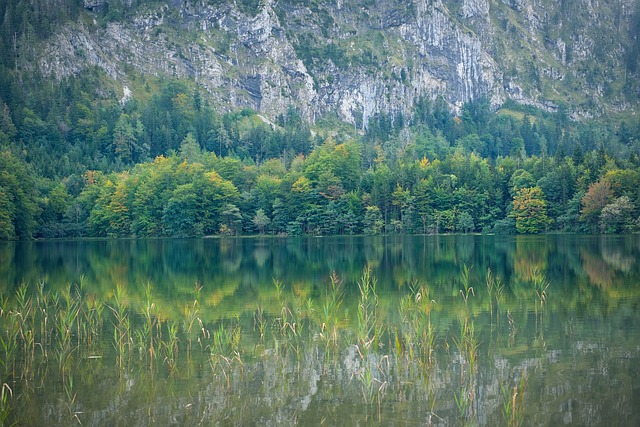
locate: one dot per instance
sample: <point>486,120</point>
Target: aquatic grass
<point>331,310</point>
<point>171,345</point>
<point>70,400</point>
<point>6,398</point>
<point>418,333</point>
<point>512,329</point>
<point>92,321</point>
<point>513,404</point>
<point>495,288</point>
<point>121,325</point>
<point>467,349</point>
<point>23,316</point>
<point>146,341</point>
<point>43,301</point>
<point>68,308</point>
<point>9,343</point>
<point>288,325</point>
<point>192,317</point>
<point>467,289</point>
<point>371,378</point>
<point>225,350</point>
<point>400,357</point>
<point>465,402</point>
<point>260,322</point>
<point>369,328</point>
<point>540,286</point>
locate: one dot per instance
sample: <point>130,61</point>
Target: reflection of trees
<point>174,266</point>
<point>531,256</point>
<point>584,375</point>
<point>580,365</point>
<point>599,272</point>
<point>617,255</point>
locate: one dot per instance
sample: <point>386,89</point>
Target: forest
<point>171,165</point>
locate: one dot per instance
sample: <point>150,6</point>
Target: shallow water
<point>286,331</point>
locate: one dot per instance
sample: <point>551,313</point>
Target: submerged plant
<point>192,318</point>
<point>70,400</point>
<point>171,346</point>
<point>418,331</point>
<point>467,349</point>
<point>121,325</point>
<point>6,395</point>
<point>513,405</point>
<point>330,314</point>
<point>150,321</point>
<point>467,289</point>
<point>540,285</point>
<point>368,328</point>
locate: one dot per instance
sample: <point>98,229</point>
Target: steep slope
<point>359,58</point>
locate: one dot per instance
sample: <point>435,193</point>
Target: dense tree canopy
<point>89,165</point>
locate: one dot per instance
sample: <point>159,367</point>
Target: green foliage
<point>595,199</point>
<point>373,223</point>
<point>77,162</point>
<point>617,216</point>
<point>261,221</point>
<point>465,222</point>
<point>530,211</point>
<point>18,200</point>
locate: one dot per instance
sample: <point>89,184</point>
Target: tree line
<point>75,162</point>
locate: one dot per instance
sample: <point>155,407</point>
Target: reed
<point>68,309</point>
<point>150,322</point>
<point>24,316</point>
<point>121,325</point>
<point>92,321</point>
<point>70,400</point>
<point>9,338</point>
<point>513,329</point>
<point>43,301</point>
<point>259,322</point>
<point>171,346</point>
<point>331,310</point>
<point>418,333</point>
<point>513,404</point>
<point>192,319</point>
<point>9,344</point>
<point>467,288</point>
<point>467,348</point>
<point>464,402</point>
<point>225,350</point>
<point>495,288</point>
<point>6,396</point>
<point>288,324</point>
<point>369,328</point>
<point>540,286</point>
<point>374,388</point>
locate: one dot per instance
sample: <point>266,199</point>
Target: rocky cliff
<point>359,58</point>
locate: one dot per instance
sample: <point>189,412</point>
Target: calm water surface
<point>291,331</point>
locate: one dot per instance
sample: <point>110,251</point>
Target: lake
<point>428,330</point>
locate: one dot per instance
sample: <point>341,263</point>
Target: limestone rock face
<point>360,58</point>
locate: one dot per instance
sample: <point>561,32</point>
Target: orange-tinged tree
<point>596,198</point>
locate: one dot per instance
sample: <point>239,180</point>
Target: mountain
<point>354,59</point>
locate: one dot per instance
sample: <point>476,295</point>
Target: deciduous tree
<point>530,211</point>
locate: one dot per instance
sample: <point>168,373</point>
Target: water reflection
<point>272,341</point>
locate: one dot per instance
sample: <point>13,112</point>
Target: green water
<point>286,331</point>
